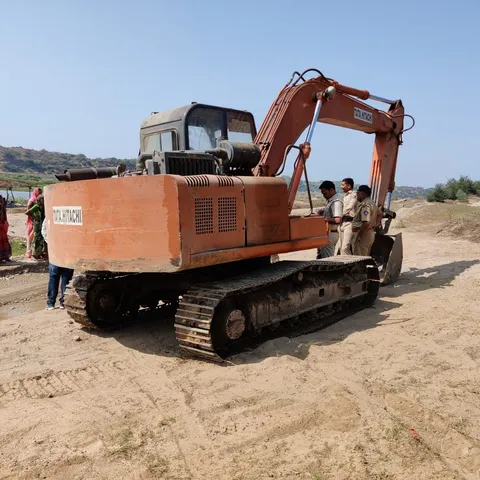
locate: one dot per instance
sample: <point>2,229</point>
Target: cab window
<point>161,142</point>
<point>239,127</point>
<point>204,128</point>
<point>207,126</point>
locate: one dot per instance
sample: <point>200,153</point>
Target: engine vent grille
<point>203,215</point>
<point>226,211</point>
<point>177,163</point>
<point>227,214</point>
<point>225,181</point>
<point>197,181</point>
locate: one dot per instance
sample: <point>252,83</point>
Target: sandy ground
<point>17,225</point>
<point>392,392</point>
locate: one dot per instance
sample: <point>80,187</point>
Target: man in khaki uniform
<point>333,216</point>
<point>364,222</point>
<point>350,204</point>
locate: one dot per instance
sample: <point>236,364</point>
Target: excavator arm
<point>301,104</point>
<point>298,107</point>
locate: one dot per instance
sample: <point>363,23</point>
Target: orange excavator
<point>193,229</point>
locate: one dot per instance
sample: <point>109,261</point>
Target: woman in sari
<point>37,214</point>
<point>5,248</point>
<point>30,229</point>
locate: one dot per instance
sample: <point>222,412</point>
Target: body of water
<point>18,195</point>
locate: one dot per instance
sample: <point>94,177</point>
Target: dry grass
<point>455,219</point>
<point>301,200</point>
<point>15,210</point>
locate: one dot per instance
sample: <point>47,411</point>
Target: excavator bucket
<point>387,251</point>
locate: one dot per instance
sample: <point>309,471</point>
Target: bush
<point>450,189</point>
<point>461,195</point>
<point>437,194</point>
<point>454,190</point>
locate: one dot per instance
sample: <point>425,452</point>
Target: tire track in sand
<point>59,383</point>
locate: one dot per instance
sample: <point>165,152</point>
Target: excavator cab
<point>196,127</point>
<point>185,141</point>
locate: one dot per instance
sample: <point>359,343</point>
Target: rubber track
<point>196,310</point>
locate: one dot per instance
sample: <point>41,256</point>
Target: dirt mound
<point>452,219</point>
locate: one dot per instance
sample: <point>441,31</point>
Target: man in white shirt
<point>350,204</point>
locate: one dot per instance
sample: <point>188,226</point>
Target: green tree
<point>438,194</point>
<point>450,189</point>
<point>467,185</point>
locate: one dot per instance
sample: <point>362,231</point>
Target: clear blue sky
<point>79,76</point>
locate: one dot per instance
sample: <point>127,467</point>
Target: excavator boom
<point>299,105</point>
<point>292,112</point>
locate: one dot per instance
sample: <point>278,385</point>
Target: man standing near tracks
<point>364,222</point>
<point>333,215</point>
<point>350,204</point>
<point>59,276</point>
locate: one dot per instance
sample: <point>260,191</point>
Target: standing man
<point>364,222</point>
<point>333,216</point>
<point>56,273</point>
<point>350,204</point>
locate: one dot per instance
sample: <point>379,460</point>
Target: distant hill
<point>399,192</point>
<point>25,166</point>
<point>40,162</point>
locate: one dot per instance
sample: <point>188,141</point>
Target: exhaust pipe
<point>90,173</point>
